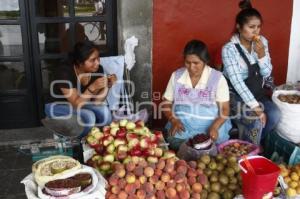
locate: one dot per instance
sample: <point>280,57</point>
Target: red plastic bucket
<point>262,182</point>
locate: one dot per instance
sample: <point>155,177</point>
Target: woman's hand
<point>263,119</point>
<point>262,116</point>
<point>259,48</point>
<point>111,80</point>
<point>99,84</point>
<point>176,126</point>
<point>213,133</point>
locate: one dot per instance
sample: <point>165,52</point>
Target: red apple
<point>130,136</point>
<point>121,133</point>
<point>106,130</point>
<point>107,140</point>
<point>144,143</point>
<point>133,143</point>
<point>121,155</point>
<point>135,152</point>
<point>139,123</point>
<point>99,149</point>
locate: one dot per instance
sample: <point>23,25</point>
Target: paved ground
<point>14,166</point>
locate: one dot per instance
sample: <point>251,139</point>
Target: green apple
<point>130,125</point>
<point>123,122</point>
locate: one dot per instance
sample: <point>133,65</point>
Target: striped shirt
<point>236,70</point>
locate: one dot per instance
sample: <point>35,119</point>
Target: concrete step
<point>17,137</point>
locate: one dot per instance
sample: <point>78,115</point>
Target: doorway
<point>34,38</point>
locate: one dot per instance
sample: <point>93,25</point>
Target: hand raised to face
<point>111,80</point>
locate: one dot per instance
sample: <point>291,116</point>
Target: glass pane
<point>9,9</point>
<point>54,37</point>
<point>48,66</point>
<point>10,40</point>
<point>12,76</point>
<point>89,7</point>
<point>53,8</point>
<point>96,32</point>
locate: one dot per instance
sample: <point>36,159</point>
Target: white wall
<point>293,74</point>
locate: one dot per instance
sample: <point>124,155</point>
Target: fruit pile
<point>291,99</point>
<point>123,142</point>
<point>237,148</point>
<point>223,177</point>
<point>291,176</point>
<point>168,178</point>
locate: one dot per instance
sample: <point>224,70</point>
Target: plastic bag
<point>288,126</point>
<point>254,148</point>
<point>33,191</point>
<point>140,115</point>
<point>188,153</point>
<point>295,157</point>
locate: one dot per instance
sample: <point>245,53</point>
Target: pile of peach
<point>168,178</point>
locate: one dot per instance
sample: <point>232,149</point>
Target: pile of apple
<point>168,178</point>
<point>124,141</point>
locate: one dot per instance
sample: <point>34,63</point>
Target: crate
<point>279,149</point>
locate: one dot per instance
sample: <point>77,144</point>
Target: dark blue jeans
<point>88,116</point>
<point>270,109</point>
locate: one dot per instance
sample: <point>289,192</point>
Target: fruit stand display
<point>123,142</point>
<point>136,163</point>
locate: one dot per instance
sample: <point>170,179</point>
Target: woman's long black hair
<point>81,52</point>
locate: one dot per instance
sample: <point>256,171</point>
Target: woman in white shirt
<point>196,99</point>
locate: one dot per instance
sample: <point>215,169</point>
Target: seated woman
<point>196,99</point>
<point>247,65</point>
<point>81,88</point>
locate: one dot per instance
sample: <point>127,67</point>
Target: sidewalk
<point>14,166</point>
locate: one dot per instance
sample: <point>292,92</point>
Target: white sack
<point>289,124</point>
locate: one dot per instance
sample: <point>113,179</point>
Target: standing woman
<point>81,88</point>
<point>196,99</point>
<point>247,65</point>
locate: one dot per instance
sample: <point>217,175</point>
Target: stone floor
<point>14,165</point>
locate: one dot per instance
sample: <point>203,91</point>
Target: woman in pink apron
<point>196,99</point>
